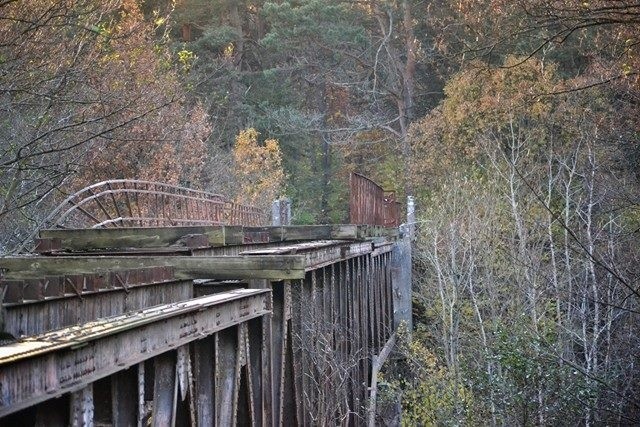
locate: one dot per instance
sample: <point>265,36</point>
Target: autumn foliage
<point>89,92</point>
<point>164,139</point>
<point>258,169</point>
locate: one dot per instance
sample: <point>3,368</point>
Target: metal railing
<point>370,204</point>
<point>135,203</point>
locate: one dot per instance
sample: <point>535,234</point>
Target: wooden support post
<point>204,378</point>
<point>81,411</point>
<point>141,400</point>
<point>245,412</point>
<point>184,375</point>
<point>307,312</point>
<point>165,390</point>
<point>286,396</point>
<point>124,398</point>
<point>278,322</point>
<point>227,376</point>
<point>296,325</point>
<point>267,350</point>
<point>255,366</point>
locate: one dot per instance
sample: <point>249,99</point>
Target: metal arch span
<point>136,203</point>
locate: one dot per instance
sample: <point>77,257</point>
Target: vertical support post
<point>205,368</point>
<point>281,212</point>
<point>124,397</point>
<point>227,376</point>
<point>141,409</point>
<point>164,390</point>
<point>275,213</point>
<point>401,283</point>
<point>411,217</point>
<point>82,407</point>
<point>256,363</point>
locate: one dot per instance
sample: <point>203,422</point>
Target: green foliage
<point>431,394</point>
<point>319,22</point>
<point>216,39</point>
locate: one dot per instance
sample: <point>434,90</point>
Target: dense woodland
<point>514,123</point>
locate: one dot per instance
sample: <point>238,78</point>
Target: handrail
<point>139,203</point>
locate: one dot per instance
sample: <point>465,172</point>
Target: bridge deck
<point>282,330</point>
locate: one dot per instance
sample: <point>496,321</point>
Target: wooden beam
<point>42,367</point>
<point>205,386</point>
<point>185,267</point>
<point>124,397</point>
<point>164,390</point>
<point>324,232</point>
<point>319,254</point>
<point>82,407</point>
<point>141,237</point>
<point>194,236</point>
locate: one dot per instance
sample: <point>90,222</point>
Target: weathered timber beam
<point>324,253</point>
<point>46,366</point>
<point>327,256</point>
<point>198,236</point>
<point>142,237</point>
<point>324,232</point>
<point>17,292</point>
<point>185,267</point>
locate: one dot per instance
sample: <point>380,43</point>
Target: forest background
<point>514,124</point>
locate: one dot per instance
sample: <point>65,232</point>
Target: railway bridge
<point>147,304</point>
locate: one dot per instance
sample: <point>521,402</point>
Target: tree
<point>523,246</point>
<point>258,169</point>
<point>85,89</point>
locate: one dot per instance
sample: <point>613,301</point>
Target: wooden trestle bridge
<point>197,323</point>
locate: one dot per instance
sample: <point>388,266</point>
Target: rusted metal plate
<point>43,246</point>
<point>370,204</point>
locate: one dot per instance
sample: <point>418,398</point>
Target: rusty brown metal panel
<point>370,204</point>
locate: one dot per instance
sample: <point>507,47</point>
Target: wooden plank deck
<point>39,367</point>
